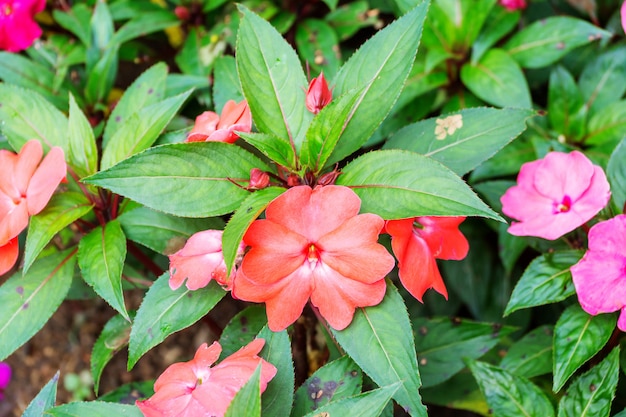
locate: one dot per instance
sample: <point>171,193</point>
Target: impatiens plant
<point>320,193</point>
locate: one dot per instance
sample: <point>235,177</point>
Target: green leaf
<point>546,41</point>
<point>546,280</point>
<point>102,76</point>
<point>509,395</point>
<point>247,401</point>
<point>242,329</point>
<point>380,341</point>
<point>591,394</point>
<point>459,392</point>
<point>26,115</point>
<point>250,209</point>
<point>274,148</point>
<point>278,395</point>
<point>83,153</point>
<point>577,338</point>
<point>317,44</point>
<point>379,69</point>
<point>607,126</point>
<point>601,81</point>
<point>369,404</point>
<point>144,24</point>
<point>566,109</point>
<point>94,409</point>
<point>61,210</point>
<point>76,20</point>
<point>334,381</point>
<point>156,178</point>
<point>27,301</point>
<point>398,184</point>
<point>162,232</point>
<point>483,133</point>
<point>129,393</point>
<point>497,79</point>
<point>141,130</point>
<point>507,161</point>
<point>226,85</point>
<point>531,355</point>
<point>499,22</point>
<point>272,80</point>
<point>442,344</point>
<point>616,173</point>
<point>165,311</point>
<point>147,89</point>
<point>44,400</point>
<point>113,338</point>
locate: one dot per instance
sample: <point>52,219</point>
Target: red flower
<point>18,28</point>
<point>258,179</point>
<point>418,242</point>
<point>195,389</point>
<point>200,261</point>
<point>26,185</point>
<point>210,127</point>
<point>318,95</point>
<point>314,244</point>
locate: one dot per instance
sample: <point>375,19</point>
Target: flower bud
<point>258,179</point>
<point>318,95</point>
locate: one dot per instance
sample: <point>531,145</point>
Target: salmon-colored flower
<point>26,185</point>
<point>18,28</point>
<point>600,276</point>
<point>258,179</point>
<point>200,261</point>
<point>195,389</point>
<point>555,195</point>
<point>314,244</point>
<point>210,127</point>
<point>417,242</point>
<point>318,95</point>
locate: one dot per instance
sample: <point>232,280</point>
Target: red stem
<point>144,259</point>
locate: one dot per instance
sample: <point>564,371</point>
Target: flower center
<point>564,206</point>
<point>313,256</point>
<point>6,10</point>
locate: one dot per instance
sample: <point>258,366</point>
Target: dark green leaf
<point>380,341</point>
<point>601,81</point>
<point>616,173</point>
<point>102,76</point>
<point>27,301</point>
<point>459,392</point>
<point>318,45</point>
<point>44,400</point>
<point>94,409</point>
<point>83,153</point>
<point>278,395</point>
<point>274,148</point>
<point>566,110</point>
<point>144,24</point>
<point>369,404</point>
<point>247,401</point>
<point>397,184</point>
<point>546,280</point>
<point>113,338</point>
<point>506,162</point>
<point>165,311</point>
<point>242,329</point>
<point>129,393</point>
<point>499,22</point>
<point>607,126</point>
<point>577,338</point>
<point>159,179</point>
<point>531,355</point>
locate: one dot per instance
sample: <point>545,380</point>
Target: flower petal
<point>563,174</point>
<point>8,256</point>
<point>443,237</point>
<point>600,282</point>
<point>45,180</point>
<point>608,236</point>
<point>418,270</point>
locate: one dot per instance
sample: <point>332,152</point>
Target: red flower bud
<point>182,13</point>
<point>258,179</point>
<point>318,95</point>
<point>513,5</point>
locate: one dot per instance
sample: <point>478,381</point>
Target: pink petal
<point>8,185</point>
<point>548,227</point>
<point>521,203</point>
<point>8,257</point>
<point>608,236</point>
<point>206,124</point>
<point>561,174</point>
<point>13,218</point>
<point>48,176</point>
<point>595,197</point>
<point>621,321</point>
<point>600,282</point>
<point>623,15</point>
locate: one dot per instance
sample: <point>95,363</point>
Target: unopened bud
<point>318,95</point>
<point>182,13</point>
<point>258,179</point>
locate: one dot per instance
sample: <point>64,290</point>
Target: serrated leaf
<point>274,148</point>
<point>250,209</point>
<point>577,338</point>
<point>482,133</point>
<point>379,69</point>
<point>498,80</point>
<point>94,409</point>
<point>616,174</point>
<point>509,395</point>
<point>336,380</point>
<point>247,401</point>
<point>591,394</point>
<point>442,344</point>
<point>380,341</point>
<point>156,178</point>
<point>163,233</point>
<point>61,210</point>
<point>369,404</point>
<point>83,153</point>
<point>272,80</point>
<point>165,311</point>
<point>546,41</point>
<point>27,301</point>
<point>242,329</point>
<point>141,130</point>
<point>226,85</point>
<point>531,355</point>
<point>112,339</point>
<point>546,280</point>
<point>397,184</point>
<point>101,256</point>
<point>278,395</point>
<point>44,400</point>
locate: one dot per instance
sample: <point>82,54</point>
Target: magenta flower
<point>555,195</point>
<point>512,5</point>
<point>623,16</point>
<point>5,378</point>
<point>600,276</point>
<point>18,28</point>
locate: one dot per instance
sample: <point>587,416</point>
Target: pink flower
<point>623,16</point>
<point>5,378</point>
<point>513,5</point>
<point>314,244</point>
<point>200,261</point>
<point>318,95</point>
<point>600,276</point>
<point>418,242</point>
<point>18,28</point>
<point>26,185</point>
<point>258,179</point>
<point>555,195</point>
<point>195,389</point>
<point>210,127</point>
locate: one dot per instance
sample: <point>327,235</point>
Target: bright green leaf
<point>278,395</point>
<point>44,400</point>
<point>95,409</point>
<point>226,85</point>
<point>566,110</point>
<point>247,401</point>
<point>144,24</point>
<point>602,79</point>
<point>275,149</point>
<point>607,126</point>
<point>369,404</point>
<point>101,78</point>
<point>499,22</point>
<point>83,153</point>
